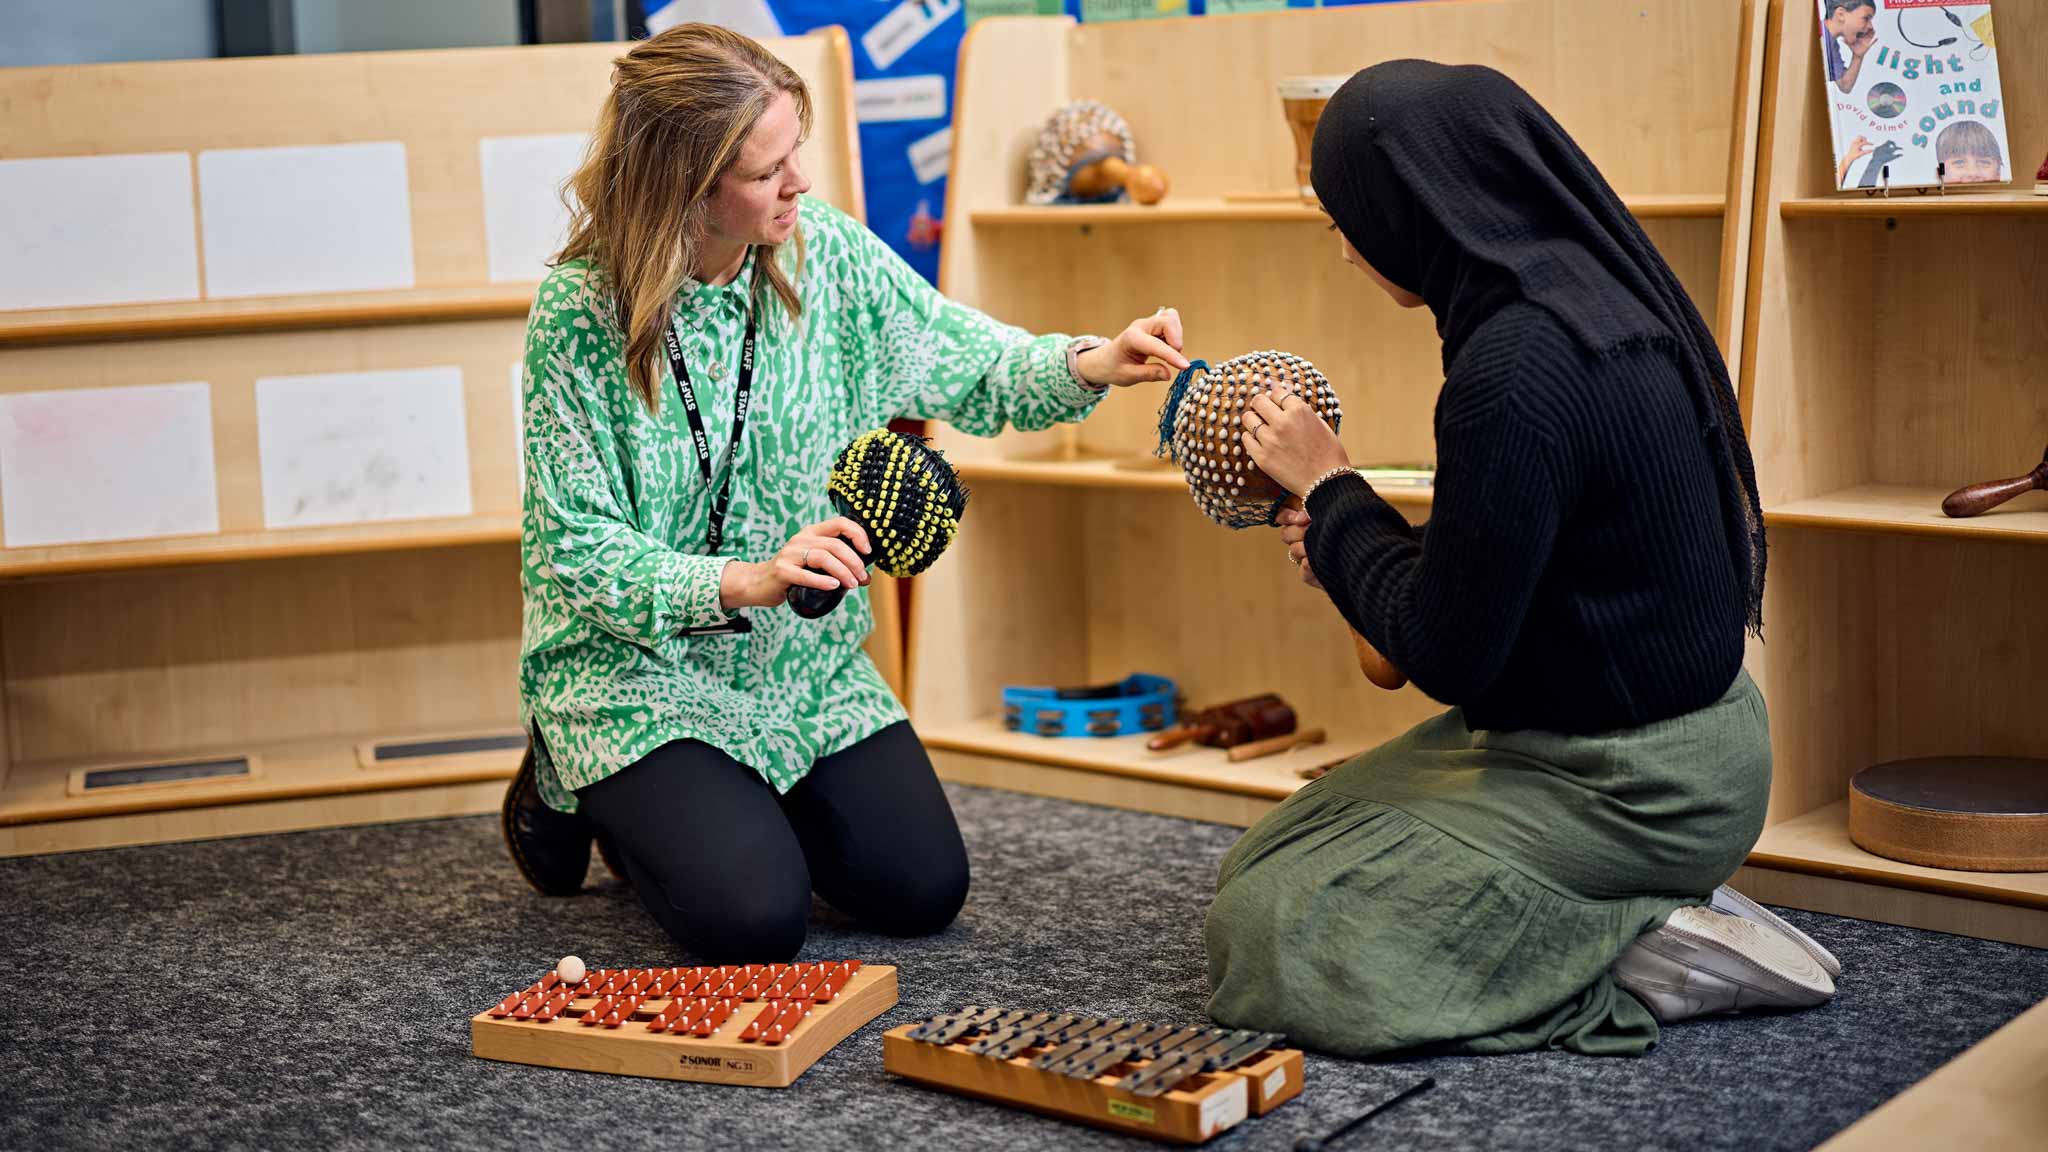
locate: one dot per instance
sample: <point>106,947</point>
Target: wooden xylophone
<point>1178,1084</point>
<point>755,1024</point>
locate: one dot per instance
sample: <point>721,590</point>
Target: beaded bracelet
<point>1330,475</point>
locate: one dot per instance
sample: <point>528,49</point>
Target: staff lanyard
<point>721,498</point>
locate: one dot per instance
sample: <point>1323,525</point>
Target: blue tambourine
<point>1138,703</point>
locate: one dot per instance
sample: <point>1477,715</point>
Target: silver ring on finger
<point>805,561</point>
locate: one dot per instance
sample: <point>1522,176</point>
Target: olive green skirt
<point>1467,890</point>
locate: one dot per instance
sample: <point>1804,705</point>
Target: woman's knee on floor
<point>903,893</point>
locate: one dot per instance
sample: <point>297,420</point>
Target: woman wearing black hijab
<point>1538,866</point>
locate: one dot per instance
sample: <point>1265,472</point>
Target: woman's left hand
<point>1289,442</point>
<point>1128,359</point>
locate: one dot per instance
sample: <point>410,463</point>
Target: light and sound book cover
<point>1913,95</point>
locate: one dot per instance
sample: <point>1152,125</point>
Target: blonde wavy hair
<point>681,105</point>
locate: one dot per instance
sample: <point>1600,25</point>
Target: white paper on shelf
<point>349,447</point>
<point>525,221</point>
<point>94,464</point>
<point>77,231</point>
<point>900,98</point>
<point>331,218</point>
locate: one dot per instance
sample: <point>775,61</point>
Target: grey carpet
<point>311,990</point>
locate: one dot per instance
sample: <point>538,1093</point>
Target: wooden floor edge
<point>1107,789</point>
<point>1935,885</point>
<point>1991,1098</point>
<point>254,818</point>
<point>1910,908</point>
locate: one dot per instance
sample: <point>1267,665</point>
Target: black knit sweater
<point>1575,573</point>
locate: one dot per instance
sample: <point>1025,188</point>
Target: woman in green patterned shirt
<point>707,342</point>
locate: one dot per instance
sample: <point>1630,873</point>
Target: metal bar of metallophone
<point>1175,1041</point>
<point>1029,1023</point>
<point>938,1023</point>
<point>1103,1052</point>
<point>1162,1074</point>
<point>951,1032</point>
<point>1245,1050</point>
<point>1049,1031</point>
<point>1092,1043</point>
<point>1075,1042</point>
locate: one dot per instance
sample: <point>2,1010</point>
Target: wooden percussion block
<point>772,1027</point>
<point>1973,813</point>
<point>1200,1107</point>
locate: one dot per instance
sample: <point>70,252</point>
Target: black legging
<point>728,867</point>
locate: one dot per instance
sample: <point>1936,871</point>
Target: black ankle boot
<point>550,848</point>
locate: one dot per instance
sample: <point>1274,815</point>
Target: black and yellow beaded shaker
<point>901,491</point>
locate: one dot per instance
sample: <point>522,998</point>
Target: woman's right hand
<point>822,556</point>
<point>1294,532</point>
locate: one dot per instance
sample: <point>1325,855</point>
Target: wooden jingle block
<point>1971,813</point>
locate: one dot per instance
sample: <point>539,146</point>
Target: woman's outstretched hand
<point>1128,359</point>
<point>822,556</point>
<point>1289,442</point>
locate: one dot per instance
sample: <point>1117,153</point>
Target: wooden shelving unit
<point>1082,560</point>
<point>291,647</point>
<point>1223,210</point>
<point>1894,354</point>
<point>1963,202</point>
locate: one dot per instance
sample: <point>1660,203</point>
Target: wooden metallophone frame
<point>688,1023</point>
<point>1105,1083</point>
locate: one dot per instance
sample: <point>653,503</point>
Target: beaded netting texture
<point>1201,429</point>
<point>905,493</point>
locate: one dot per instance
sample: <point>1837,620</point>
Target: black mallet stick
<point>1319,1143</point>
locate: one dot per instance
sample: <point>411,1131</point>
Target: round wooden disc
<point>1974,813</point>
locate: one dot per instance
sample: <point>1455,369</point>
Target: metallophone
<point>1182,1085</point>
<point>752,1024</point>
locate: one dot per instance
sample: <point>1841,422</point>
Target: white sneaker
<point>1702,961</point>
<point>1734,903</point>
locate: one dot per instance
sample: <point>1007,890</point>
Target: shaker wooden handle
<point>1175,737</point>
<point>1377,668</point>
<point>1978,499</point>
<point>1273,745</point>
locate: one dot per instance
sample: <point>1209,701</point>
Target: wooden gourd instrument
<point>1085,153</point>
<point>1201,427</point>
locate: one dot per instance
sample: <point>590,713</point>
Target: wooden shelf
<point>1268,778</point>
<point>37,792</point>
<point>1194,210</point>
<point>2013,202</point>
<point>1135,473</point>
<point>233,547</point>
<point>1912,511</point>
<point>221,317</point>
<point>1818,844</point>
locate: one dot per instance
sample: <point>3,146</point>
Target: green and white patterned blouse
<point>616,510</point>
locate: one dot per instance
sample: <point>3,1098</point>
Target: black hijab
<point>1454,184</point>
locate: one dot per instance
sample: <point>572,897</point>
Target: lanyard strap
<point>723,496</point>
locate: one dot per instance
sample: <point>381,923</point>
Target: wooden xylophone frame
<point>759,1025</point>
<point>1190,1101</point>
